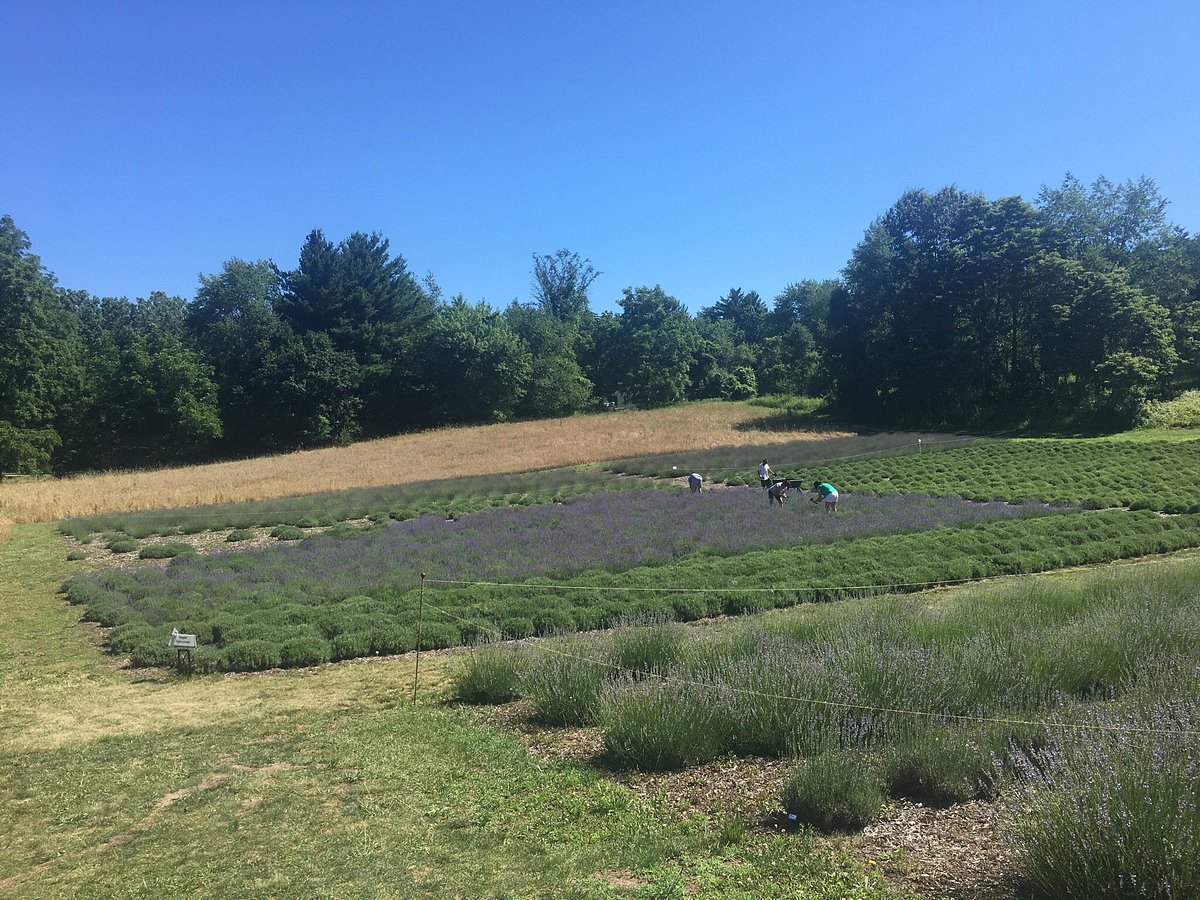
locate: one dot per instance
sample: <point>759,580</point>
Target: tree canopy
<point>954,308</point>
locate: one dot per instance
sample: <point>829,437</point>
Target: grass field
<point>330,781</point>
<point>120,783</point>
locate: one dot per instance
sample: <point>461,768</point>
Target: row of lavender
<point>1078,703</point>
<point>338,598</point>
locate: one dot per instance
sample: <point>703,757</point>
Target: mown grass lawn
<point>318,782</point>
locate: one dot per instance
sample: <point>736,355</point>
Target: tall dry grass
<point>444,453</point>
<point>5,530</point>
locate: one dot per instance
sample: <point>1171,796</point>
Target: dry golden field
<point>429,455</point>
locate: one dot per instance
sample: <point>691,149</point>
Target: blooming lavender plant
<point>1111,811</point>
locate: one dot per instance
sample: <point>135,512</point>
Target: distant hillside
<point>443,453</point>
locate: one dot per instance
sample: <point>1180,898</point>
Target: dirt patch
<point>960,852</point>
<point>625,880</point>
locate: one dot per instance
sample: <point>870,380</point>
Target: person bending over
<point>777,492</point>
<point>826,492</point>
<point>695,483</point>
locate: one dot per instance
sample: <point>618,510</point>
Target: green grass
<point>739,465</point>
<point>318,783</point>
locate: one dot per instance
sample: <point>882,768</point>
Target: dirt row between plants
<point>961,852</point>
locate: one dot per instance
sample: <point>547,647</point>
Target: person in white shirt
<point>695,482</point>
<point>764,474</point>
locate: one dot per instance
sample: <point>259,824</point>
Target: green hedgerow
<point>489,673</point>
<point>941,765</point>
<point>837,791</point>
<point>250,656</point>
<point>304,651</point>
<point>165,551</point>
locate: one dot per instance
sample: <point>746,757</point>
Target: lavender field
<point>605,532</point>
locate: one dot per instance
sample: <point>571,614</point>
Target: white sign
<point>182,641</point>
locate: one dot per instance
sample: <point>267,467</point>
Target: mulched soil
<point>960,852</point>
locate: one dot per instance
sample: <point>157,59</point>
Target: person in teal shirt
<point>826,492</point>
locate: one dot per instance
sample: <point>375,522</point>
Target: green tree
<point>744,310</point>
<point>560,284</point>
<point>476,367</point>
<point>154,399</point>
<point>723,363</point>
<point>557,385</point>
<point>1108,346</point>
<point>599,354</point>
<point>41,355</point>
<point>937,321</point>
<point>369,305</point>
<point>656,342</point>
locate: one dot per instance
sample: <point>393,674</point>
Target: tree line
<point>953,309</point>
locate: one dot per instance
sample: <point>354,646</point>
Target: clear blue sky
<point>697,145</point>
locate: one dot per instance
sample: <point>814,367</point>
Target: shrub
<point>1182,412</point>
<point>564,680</point>
<point>647,648</point>
<point>940,765</point>
<point>304,651</point>
<point>239,534</point>
<point>124,638</point>
<point>655,725</point>
<point>250,656</point>
<point>165,551</point>
<point>1110,814</point>
<point>435,635</point>
<point>76,555</point>
<point>489,673</point>
<point>352,644</point>
<point>837,791</point>
<point>287,533</point>
<point>152,653</point>
<point>122,545</point>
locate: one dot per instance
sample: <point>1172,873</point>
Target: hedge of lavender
<point>738,465</point>
<point>1112,811</point>
<point>1107,805</point>
<point>337,598</point>
<point>1158,475</point>
<point>446,497</point>
<point>1024,650</point>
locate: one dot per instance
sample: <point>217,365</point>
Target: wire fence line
<point>546,646</point>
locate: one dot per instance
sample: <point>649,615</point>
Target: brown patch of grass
<point>444,453</point>
<point>5,530</point>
